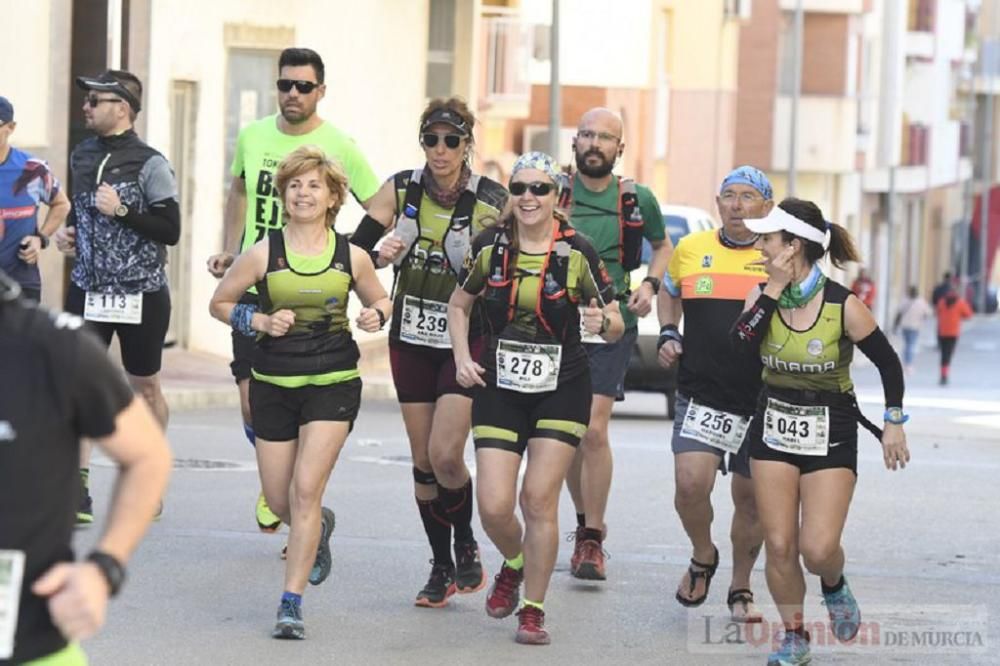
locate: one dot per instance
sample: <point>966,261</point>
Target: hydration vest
<point>457,237</point>
<point>630,221</point>
<point>555,310</point>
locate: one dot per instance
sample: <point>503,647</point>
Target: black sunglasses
<point>537,188</point>
<point>94,100</point>
<point>304,87</point>
<point>430,139</point>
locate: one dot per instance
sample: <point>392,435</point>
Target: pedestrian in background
<point>909,318</point>
<point>951,310</point>
<point>864,288</point>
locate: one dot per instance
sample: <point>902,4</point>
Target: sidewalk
<point>195,380</point>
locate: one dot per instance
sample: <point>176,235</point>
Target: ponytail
<point>842,248</point>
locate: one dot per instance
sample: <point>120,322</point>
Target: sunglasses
<point>94,100</point>
<point>539,189</point>
<point>304,87</point>
<point>430,139</point>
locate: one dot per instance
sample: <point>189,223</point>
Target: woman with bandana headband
<point>431,214</point>
<point>803,438</point>
<point>533,272</point>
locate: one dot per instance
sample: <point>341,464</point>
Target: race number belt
<point>113,308</point>
<point>11,576</point>
<point>424,323</point>
<point>588,337</point>
<point>799,429</point>
<point>527,367</point>
<point>718,429</point>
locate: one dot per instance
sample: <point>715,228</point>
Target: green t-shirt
<point>595,214</point>
<point>260,148</point>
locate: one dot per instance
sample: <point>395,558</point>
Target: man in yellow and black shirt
<point>709,276</point>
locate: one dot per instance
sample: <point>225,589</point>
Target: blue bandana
<point>542,162</point>
<point>752,176</point>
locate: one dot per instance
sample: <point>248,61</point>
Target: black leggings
<point>947,346</point>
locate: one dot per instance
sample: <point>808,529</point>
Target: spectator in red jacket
<point>864,288</point>
<point>951,310</point>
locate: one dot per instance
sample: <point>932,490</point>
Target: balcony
<point>508,43</point>
<point>827,133</point>
<point>916,140</point>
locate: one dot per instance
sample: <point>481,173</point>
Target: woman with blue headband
<point>532,391</point>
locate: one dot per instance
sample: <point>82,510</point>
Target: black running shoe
<point>469,574</point>
<point>439,587</point>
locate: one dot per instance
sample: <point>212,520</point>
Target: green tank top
<point>318,349</point>
<point>816,359</point>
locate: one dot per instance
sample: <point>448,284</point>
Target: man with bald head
<point>616,214</point>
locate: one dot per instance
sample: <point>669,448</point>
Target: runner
<point>306,390</point>
<point>710,274</point>
<point>534,271</point>
<point>434,211</point>
<point>803,438</point>
<point>253,207</point>
<point>615,214</point>
<point>124,214</point>
<point>25,182</point>
<point>66,389</point>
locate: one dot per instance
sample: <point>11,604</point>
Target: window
<point>440,48</point>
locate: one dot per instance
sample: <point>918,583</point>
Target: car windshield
<point>676,227</point>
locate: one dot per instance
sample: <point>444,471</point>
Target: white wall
<point>27,69</point>
<point>375,57</point>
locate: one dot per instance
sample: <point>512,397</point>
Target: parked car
<point>644,372</point>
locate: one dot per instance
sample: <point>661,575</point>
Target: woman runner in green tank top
<point>305,390</point>
<point>803,438</point>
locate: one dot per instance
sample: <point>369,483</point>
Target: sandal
<point>745,597</point>
<point>707,571</point>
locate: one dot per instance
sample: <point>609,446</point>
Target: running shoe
<point>85,509</point>
<point>577,558</point>
<point>289,623</point>
<point>845,616</point>
<point>324,558</point>
<point>267,522</point>
<point>439,587</point>
<point>794,651</point>
<point>531,627</point>
<point>589,556</point>
<point>505,593</point>
<point>469,573</point>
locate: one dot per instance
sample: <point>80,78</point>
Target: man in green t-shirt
<point>253,206</point>
<point>615,214</point>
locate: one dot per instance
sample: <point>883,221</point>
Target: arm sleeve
<point>748,331</point>
<point>100,391</point>
<point>595,282</point>
<point>161,224</point>
<point>876,347</point>
<point>369,232</point>
<point>652,217</point>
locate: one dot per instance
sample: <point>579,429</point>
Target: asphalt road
<point>921,546</point>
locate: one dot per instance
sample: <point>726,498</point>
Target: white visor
<point>779,220</point>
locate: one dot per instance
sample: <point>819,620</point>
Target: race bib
<point>527,367</point>
<point>113,308</point>
<point>11,576</point>
<point>425,324</point>
<point>718,429</point>
<point>800,429</point>
<point>589,338</point>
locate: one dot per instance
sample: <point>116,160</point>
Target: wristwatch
<point>111,568</point>
<point>605,324</point>
<point>895,416</point>
<point>43,238</point>
<point>654,282</point>
<point>121,210</point>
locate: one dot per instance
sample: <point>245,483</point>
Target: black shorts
<point>277,412</point>
<point>608,364</point>
<point>243,345</point>
<point>504,419</point>
<point>424,374</point>
<point>141,344</point>
<point>843,449</point>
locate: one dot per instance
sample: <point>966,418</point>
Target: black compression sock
<point>457,503</point>
<point>581,520</point>
<point>831,590</point>
<point>438,529</point>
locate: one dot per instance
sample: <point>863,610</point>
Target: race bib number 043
<point>714,427</point>
<point>799,429</point>
<point>11,576</point>
<point>527,367</point>
<point>424,323</point>
<point>113,308</point>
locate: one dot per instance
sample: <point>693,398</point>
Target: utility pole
<point>888,146</point>
<point>989,56</point>
<point>554,102</point>
<point>796,93</point>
